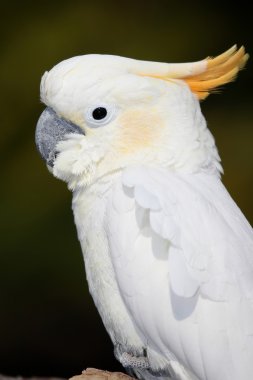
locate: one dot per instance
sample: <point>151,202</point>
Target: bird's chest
<point>91,221</point>
<point>117,245</point>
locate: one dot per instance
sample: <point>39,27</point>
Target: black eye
<point>99,113</point>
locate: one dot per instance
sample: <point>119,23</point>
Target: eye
<point>99,115</point>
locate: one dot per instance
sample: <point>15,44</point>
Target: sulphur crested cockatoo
<point>168,254</point>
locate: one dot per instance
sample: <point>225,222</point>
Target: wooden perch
<point>88,374</point>
<point>98,374</point>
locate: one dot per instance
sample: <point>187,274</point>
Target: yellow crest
<point>220,70</point>
<point>203,77</point>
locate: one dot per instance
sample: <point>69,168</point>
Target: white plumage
<point>168,254</point>
<point>187,270</point>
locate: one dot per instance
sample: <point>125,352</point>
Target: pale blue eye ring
<point>99,114</point>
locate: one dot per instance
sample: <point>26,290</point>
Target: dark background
<point>48,323</point>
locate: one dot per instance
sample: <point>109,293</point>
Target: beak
<point>50,130</point>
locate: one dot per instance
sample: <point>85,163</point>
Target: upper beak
<point>50,130</point>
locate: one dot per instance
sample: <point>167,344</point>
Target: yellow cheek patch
<point>138,128</point>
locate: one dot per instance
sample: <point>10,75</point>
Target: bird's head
<point>108,112</point>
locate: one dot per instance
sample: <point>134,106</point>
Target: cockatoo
<point>168,254</point>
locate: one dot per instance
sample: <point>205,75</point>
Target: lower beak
<point>50,130</point>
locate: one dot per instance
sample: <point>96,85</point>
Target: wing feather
<point>197,215</point>
<point>183,258</point>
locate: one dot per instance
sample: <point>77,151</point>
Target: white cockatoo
<point>168,254</point>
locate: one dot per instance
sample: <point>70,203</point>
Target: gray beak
<point>50,130</point>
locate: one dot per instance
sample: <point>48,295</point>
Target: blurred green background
<point>48,323</point>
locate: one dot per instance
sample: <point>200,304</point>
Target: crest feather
<point>204,76</point>
<point>220,70</point>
